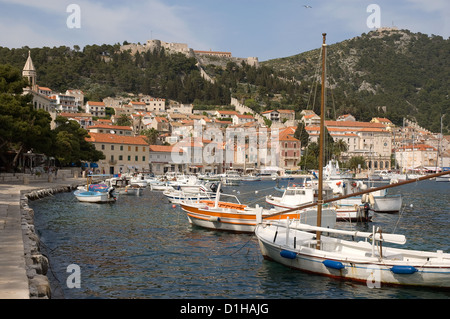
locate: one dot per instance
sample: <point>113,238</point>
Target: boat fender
<point>214,219</point>
<point>405,270</point>
<point>371,199</point>
<point>364,198</point>
<point>333,264</point>
<point>288,254</point>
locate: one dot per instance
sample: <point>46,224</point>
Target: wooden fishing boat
<point>231,216</point>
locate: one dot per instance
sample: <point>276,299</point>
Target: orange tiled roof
<point>160,148</point>
<point>95,103</point>
<point>116,139</point>
<point>108,126</point>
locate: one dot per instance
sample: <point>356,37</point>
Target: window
<point>120,157</point>
<point>121,147</point>
<point>136,158</point>
<point>137,149</point>
<point>143,158</point>
<point>103,146</point>
<point>129,158</point>
<point>112,147</point>
<point>129,148</point>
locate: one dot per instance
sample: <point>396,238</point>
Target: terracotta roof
<point>160,148</point>
<point>111,127</point>
<point>354,124</point>
<point>116,139</point>
<point>95,103</point>
<point>43,88</point>
<point>228,112</point>
<point>65,114</point>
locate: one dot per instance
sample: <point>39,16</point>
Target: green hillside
<point>393,74</point>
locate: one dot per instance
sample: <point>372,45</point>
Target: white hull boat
<point>221,215</point>
<point>178,196</point>
<point>96,193</point>
<point>373,264</point>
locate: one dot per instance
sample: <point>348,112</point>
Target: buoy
<point>288,254</point>
<point>256,192</point>
<point>333,264</point>
<point>406,270</point>
<point>173,206</point>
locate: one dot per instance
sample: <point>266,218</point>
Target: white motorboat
<point>96,193</point>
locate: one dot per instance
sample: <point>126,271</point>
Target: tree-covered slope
<point>393,73</point>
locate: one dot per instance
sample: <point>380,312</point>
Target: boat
<point>139,180</point>
<point>236,217</point>
<point>379,201</point>
<point>304,247</point>
<point>443,179</point>
<point>231,178</point>
<point>307,192</point>
<point>123,186</point>
<point>250,178</point>
<point>178,196</point>
<point>96,193</point>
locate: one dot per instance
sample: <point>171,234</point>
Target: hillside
<point>391,73</point>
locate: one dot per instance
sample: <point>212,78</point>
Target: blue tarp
<point>98,188</point>
<point>94,165</point>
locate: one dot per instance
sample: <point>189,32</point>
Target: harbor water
<point>143,247</point>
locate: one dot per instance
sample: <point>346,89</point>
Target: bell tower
<point>29,72</point>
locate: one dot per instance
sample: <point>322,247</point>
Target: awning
<point>94,165</point>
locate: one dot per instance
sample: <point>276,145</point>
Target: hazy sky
<point>266,29</point>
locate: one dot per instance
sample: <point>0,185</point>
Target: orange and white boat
<point>222,215</point>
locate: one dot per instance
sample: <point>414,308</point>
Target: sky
<point>266,29</point>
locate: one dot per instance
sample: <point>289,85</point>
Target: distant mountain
<point>390,73</point>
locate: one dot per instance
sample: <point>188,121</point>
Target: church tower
<point>30,72</point>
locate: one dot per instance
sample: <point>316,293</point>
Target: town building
<point>96,108</point>
<point>123,153</point>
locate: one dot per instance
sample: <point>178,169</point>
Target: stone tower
<point>29,72</point>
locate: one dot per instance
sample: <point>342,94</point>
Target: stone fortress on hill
<point>204,57</point>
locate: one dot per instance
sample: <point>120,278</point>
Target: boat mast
<point>321,143</point>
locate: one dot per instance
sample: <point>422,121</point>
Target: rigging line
<point>245,244</point>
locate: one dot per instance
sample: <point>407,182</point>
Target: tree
<point>70,144</point>
<point>339,147</point>
<point>355,162</point>
<point>151,136</point>
<point>123,120</point>
<point>301,134</point>
<point>22,128</point>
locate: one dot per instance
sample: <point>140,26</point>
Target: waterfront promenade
<point>14,283</point>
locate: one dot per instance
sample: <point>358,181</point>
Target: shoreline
<point>23,266</point>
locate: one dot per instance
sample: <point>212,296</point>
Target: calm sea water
<point>142,247</point>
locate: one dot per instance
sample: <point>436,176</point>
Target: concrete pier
<point>14,279</point>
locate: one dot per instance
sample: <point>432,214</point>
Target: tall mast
<point>321,143</point>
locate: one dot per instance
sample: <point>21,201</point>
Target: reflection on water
<point>142,247</point>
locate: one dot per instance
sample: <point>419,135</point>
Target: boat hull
<point>387,204</point>
<point>94,197</point>
<point>357,266</point>
<point>245,220</point>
